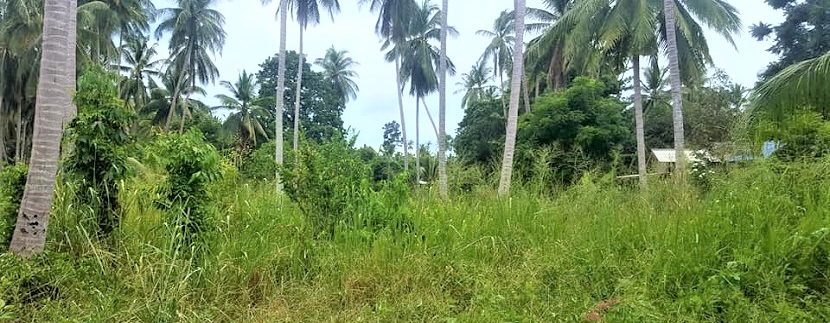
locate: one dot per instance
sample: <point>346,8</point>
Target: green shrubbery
<point>101,138</point>
<point>191,164</point>
<point>333,187</point>
<point>12,183</point>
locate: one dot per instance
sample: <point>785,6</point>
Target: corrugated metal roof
<point>668,155</point>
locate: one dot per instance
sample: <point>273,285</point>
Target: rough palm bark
<point>278,120</point>
<point>52,96</point>
<point>639,122</point>
<point>515,95</point>
<point>417,141</point>
<point>400,108</point>
<point>298,95</point>
<point>674,77</point>
<point>443,185</point>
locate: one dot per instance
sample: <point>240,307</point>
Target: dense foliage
<point>804,33</point>
<point>101,138</point>
<point>12,181</point>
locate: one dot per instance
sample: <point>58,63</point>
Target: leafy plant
<point>191,165</point>
<point>12,183</point>
<point>98,160</point>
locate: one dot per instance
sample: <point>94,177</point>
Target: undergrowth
<point>753,247</point>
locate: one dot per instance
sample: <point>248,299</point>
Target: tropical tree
<point>420,59</point>
<point>443,185</point>
<point>306,11</point>
<point>246,108</point>
<point>500,49</point>
<point>392,25</point>
<point>338,70</point>
<point>800,85</point>
<point>515,94</point>
<point>196,32</point>
<point>280,89</point>
<point>140,64</point>
<point>160,108</point>
<point>474,84</point>
<point>53,97</point>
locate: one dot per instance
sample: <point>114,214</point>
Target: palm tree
<point>338,70</point>
<point>52,98</point>
<point>500,49</point>
<point>139,63</point>
<point>419,61</point>
<point>306,11</point>
<point>160,106</point>
<point>393,21</point>
<point>802,84</point>
<point>443,185</point>
<point>474,84</point>
<point>515,93</point>
<point>246,108</point>
<point>280,99</point>
<point>196,33</point>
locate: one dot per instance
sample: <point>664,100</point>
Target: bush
<point>260,165</point>
<point>191,164</point>
<point>12,184</point>
<point>332,186</point>
<point>101,139</point>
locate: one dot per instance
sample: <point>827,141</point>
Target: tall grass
<point>754,247</point>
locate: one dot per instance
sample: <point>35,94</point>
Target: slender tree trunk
<point>18,139</point>
<point>526,91</point>
<point>417,141</point>
<point>3,131</point>
<point>400,107</point>
<point>443,185</point>
<point>33,218</point>
<point>278,120</point>
<point>638,121</point>
<point>515,92</point>
<point>503,102</point>
<point>298,96</point>
<point>538,84</point>
<point>676,86</point>
<point>71,53</point>
<point>429,116</point>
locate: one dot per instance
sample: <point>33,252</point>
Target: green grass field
<point>754,246</point>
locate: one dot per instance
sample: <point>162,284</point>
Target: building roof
<point>668,155</point>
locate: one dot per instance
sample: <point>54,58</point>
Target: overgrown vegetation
<point>12,182</point>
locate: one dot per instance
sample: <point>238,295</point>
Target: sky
<point>253,35</point>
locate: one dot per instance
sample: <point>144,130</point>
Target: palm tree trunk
<point>33,218</point>
<point>417,141</point>
<point>429,116</point>
<point>18,139</point>
<point>71,52</point>
<point>676,85</point>
<point>503,102</point>
<point>638,121</point>
<point>538,84</point>
<point>525,85</point>
<point>400,108</point>
<point>298,96</point>
<point>513,116</point>
<point>278,120</point>
<point>443,185</point>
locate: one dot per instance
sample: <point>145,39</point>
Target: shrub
<point>12,183</point>
<point>101,139</point>
<point>191,164</point>
<point>260,165</point>
<point>332,186</point>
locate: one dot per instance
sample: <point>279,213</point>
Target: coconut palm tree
<point>338,70</point>
<point>140,64</point>
<point>53,95</point>
<point>803,84</point>
<point>443,185</point>
<point>515,93</point>
<point>474,84</point>
<point>420,58</point>
<point>280,98</point>
<point>246,109</point>
<point>392,25</point>
<point>196,33</point>
<point>500,49</point>
<point>160,106</point>
<point>306,11</point>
